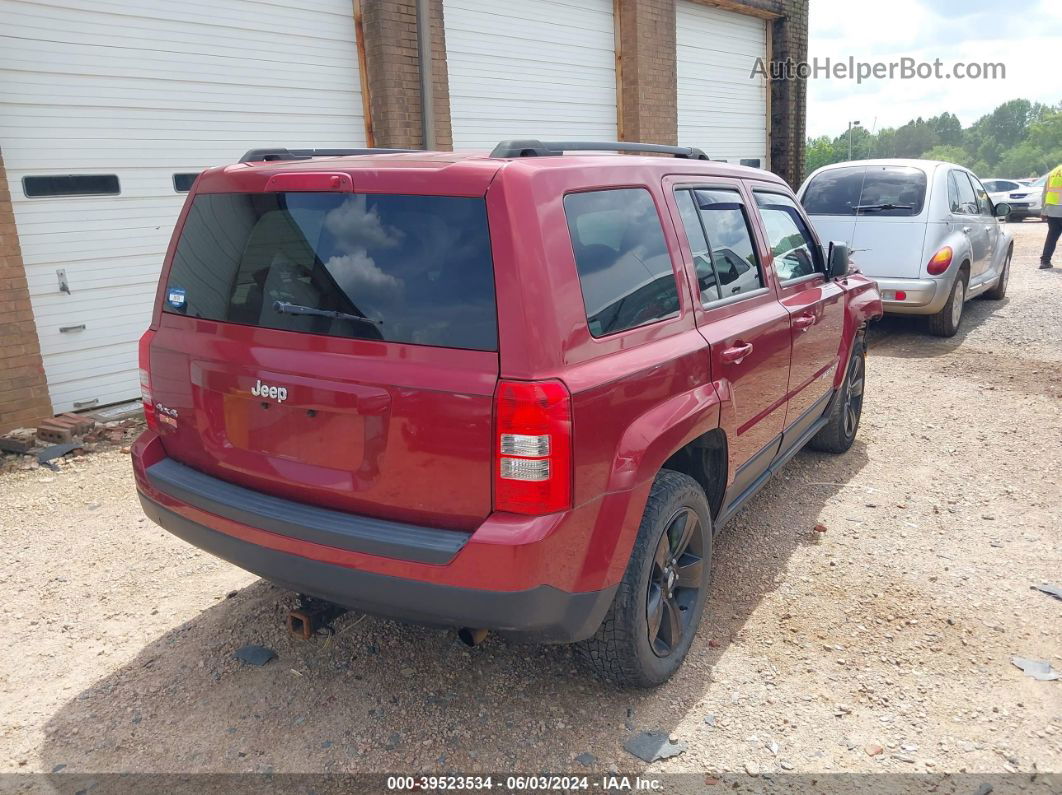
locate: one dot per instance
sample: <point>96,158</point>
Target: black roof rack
<point>280,153</point>
<point>535,148</point>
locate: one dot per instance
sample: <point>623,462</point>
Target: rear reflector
<point>533,469</point>
<point>145,380</point>
<point>940,261</point>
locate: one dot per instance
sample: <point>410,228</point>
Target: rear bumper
<point>543,613</point>
<point>540,577</point>
<point>924,296</point>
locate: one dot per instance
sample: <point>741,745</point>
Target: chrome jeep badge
<point>278,393</point>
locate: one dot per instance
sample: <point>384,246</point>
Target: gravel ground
<point>883,644</point>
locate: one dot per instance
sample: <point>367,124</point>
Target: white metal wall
<point>722,108</point>
<point>145,89</point>
<point>535,69</point>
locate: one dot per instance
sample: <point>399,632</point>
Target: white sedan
<point>1023,199</point>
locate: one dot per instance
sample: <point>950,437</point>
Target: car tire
<point>945,323</point>
<point>999,289</point>
<point>668,575</point>
<point>842,423</point>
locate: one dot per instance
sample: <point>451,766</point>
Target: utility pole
<point>851,124</point>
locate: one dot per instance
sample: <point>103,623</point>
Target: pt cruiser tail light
<point>940,261</point>
<point>145,381</point>
<point>533,453</point>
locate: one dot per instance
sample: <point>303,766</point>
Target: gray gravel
<point>881,644</point>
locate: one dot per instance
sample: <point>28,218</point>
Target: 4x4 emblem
<point>278,393</point>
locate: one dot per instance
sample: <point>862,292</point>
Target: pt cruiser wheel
<point>658,606</point>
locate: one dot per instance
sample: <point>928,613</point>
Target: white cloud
<point>1025,38</point>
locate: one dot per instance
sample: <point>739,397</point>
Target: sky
<point>1024,35</point>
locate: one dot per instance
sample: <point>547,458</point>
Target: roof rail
<point>280,153</point>
<point>535,148</point>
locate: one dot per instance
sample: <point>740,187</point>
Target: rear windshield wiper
<point>298,309</point>
<point>859,207</point>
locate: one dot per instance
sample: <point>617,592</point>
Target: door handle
<point>803,322</point>
<point>966,230</point>
<point>735,354</point>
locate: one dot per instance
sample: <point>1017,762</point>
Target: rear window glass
<point>624,266</point>
<point>414,269</point>
<point>867,190</point>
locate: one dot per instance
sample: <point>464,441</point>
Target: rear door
<point>965,218</point>
<point>738,313</point>
<point>815,305</point>
<point>986,216</point>
<point>334,348</point>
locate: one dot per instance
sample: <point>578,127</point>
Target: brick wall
<point>789,97</point>
<point>648,108</point>
<point>23,389</point>
<point>393,79</point>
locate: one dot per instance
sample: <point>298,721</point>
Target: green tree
<point>914,138</point>
<point>820,152</point>
<point>949,153</point>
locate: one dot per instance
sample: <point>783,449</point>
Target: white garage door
<point>541,69</point>
<point>721,108</point>
<point>142,90</point>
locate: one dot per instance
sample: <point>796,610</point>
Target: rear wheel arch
<point>705,459</point>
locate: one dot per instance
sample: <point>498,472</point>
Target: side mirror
<point>1002,210</point>
<point>837,262</point>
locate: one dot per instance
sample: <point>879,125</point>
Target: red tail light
<point>533,447</point>
<point>145,381</point>
<point>940,261</point>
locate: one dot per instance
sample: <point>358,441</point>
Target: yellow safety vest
<point>1053,188</point>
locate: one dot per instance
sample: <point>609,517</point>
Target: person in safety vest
<point>1052,213</point>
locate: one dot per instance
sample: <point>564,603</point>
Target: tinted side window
<point>961,197</point>
<point>793,247</point>
<point>733,256</point>
<point>984,205</point>
<point>625,270</point>
<point>702,257</point>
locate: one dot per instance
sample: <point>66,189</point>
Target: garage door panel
<point>113,386</point>
<point>145,89</point>
<point>327,19</point>
<point>722,107</point>
<point>90,27</point>
<point>540,68</point>
<point>94,274</point>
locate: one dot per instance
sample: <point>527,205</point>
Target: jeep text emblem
<point>278,393</point>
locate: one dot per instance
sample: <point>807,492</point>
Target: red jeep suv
<point>516,392</point>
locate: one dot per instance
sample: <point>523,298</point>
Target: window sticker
<point>175,297</point>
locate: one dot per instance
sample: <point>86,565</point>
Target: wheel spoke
<point>671,626</point>
<point>690,571</point>
<point>855,387</point>
<point>663,554</point>
<point>689,522</point>
<point>676,531</point>
<point>654,611</point>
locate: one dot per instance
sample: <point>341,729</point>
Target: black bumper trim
<point>544,614</point>
<point>305,522</point>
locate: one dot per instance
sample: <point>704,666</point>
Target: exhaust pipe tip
<point>471,637</point>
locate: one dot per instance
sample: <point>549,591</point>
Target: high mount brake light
<point>533,452</point>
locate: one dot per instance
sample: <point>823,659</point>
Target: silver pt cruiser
<point>925,230</point>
